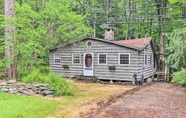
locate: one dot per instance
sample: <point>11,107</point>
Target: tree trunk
<point>161,10</point>
<point>128,15</point>
<point>10,59</point>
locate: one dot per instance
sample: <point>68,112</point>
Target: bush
<point>59,85</point>
<point>179,77</point>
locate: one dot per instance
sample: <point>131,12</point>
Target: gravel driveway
<point>155,100</point>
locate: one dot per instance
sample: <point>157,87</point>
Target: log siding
<point>101,71</point>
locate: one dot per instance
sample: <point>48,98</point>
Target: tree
<point>177,49</point>
<point>38,29</point>
<point>9,6</point>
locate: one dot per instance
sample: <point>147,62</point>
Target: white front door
<point>88,64</point>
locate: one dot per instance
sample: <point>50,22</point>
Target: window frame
<point>150,60</point>
<point>99,58</point>
<point>54,58</point>
<point>119,54</point>
<point>73,58</point>
<point>88,42</point>
<point>145,60</point>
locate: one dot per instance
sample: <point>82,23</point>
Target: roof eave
<point>123,45</point>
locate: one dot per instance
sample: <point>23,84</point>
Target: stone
<point>36,85</point>
<point>28,93</point>
<point>11,81</point>
<point>43,88</point>
<point>5,90</point>
<point>47,92</point>
<point>42,85</point>
<point>35,89</point>
<point>20,88</point>
<point>111,82</point>
<point>13,87</point>
<point>3,84</point>
<point>12,92</point>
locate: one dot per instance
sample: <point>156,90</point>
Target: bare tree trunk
<point>107,11</point>
<point>160,6</point>
<point>9,40</point>
<point>128,19</point>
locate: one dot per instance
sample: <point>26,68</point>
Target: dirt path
<point>156,100</point>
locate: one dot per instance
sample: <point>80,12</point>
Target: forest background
<point>29,28</point>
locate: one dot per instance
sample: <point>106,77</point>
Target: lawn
<point>14,106</point>
<point>86,95</point>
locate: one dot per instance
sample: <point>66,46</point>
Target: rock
<point>17,88</point>
<point>43,88</point>
<point>36,85</point>
<point>11,81</point>
<point>12,89</point>
<point>28,92</point>
<point>20,88</point>
<point>35,89</point>
<point>3,84</point>
<point>12,92</point>
<point>5,90</point>
<point>111,82</point>
<point>21,84</point>
<point>42,85</point>
<point>47,92</point>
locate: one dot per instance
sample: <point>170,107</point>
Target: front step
<point>86,78</point>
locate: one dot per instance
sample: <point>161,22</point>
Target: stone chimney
<point>109,34</point>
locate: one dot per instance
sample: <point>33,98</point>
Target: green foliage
<point>177,49</point>
<point>179,77</point>
<point>59,85</point>
<point>41,25</point>
<point>14,106</point>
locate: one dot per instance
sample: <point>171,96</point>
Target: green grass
<point>14,106</point>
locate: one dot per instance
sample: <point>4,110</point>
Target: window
<point>102,59</point>
<point>145,60</point>
<point>89,43</point>
<point>76,58</point>
<point>57,58</point>
<point>124,59</point>
<point>150,59</point>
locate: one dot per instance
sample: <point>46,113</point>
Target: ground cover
<point>15,106</point>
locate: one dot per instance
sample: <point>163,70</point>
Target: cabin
<point>105,59</point>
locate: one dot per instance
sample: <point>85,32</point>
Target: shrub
<point>179,77</point>
<point>59,85</point>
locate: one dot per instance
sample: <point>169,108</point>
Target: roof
<point>138,44</point>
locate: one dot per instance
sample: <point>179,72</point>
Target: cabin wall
<point>149,69</point>
<point>122,73</point>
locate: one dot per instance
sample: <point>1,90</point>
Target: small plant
<point>112,67</point>
<point>179,77</point>
<point>65,66</point>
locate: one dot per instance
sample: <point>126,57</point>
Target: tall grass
<point>58,84</point>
